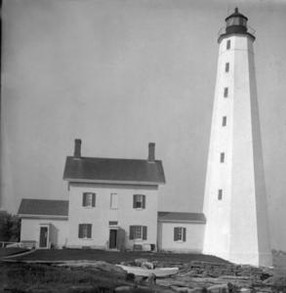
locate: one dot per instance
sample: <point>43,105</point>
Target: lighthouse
<point>235,202</point>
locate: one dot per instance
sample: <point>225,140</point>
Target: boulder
<point>151,279</point>
<point>182,289</point>
<point>185,289</point>
<point>222,288</point>
<point>144,263</point>
<point>139,261</point>
<point>130,277</point>
<point>198,290</point>
<point>245,290</point>
<point>148,265</point>
<point>107,267</point>
<point>123,289</point>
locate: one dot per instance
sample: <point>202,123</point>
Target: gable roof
<point>43,207</point>
<point>181,217</point>
<point>105,170</point>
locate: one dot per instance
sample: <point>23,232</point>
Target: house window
<point>227,67</point>
<point>114,201</point>
<point>138,232</point>
<point>139,201</point>
<point>225,92</point>
<point>179,234</point>
<point>228,44</point>
<point>84,231</point>
<point>224,121</point>
<point>88,199</point>
<point>219,195</point>
<point>222,157</point>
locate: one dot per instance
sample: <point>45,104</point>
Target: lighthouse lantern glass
<point>236,21</point>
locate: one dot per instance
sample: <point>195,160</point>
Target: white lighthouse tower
<point>235,202</point>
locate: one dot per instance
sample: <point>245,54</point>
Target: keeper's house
<point>112,204</point>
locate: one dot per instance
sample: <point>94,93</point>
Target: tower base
<point>257,260</point>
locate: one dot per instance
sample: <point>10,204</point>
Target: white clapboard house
<point>112,204</point>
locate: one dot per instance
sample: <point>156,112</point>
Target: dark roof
<point>44,207</point>
<point>114,170</point>
<point>181,217</point>
<point>236,14</point>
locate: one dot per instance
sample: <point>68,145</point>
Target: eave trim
<point>33,216</point>
<point>119,182</point>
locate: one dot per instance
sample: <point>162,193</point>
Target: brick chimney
<point>77,148</point>
<point>151,154</point>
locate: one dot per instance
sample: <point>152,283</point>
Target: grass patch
<point>115,257</point>
<point>20,277</point>
<point>10,251</point>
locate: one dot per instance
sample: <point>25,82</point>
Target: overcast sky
<point>121,73</point>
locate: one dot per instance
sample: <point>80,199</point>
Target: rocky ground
<point>209,277</point>
<point>102,276</point>
<point>198,276</point>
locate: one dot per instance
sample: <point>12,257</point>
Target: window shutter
<point>111,200</point>
<point>134,201</point>
<point>144,201</point>
<point>144,232</point>
<point>131,233</point>
<point>184,234</point>
<point>80,231</point>
<point>84,199</point>
<point>93,199</point>
<point>88,230</point>
<point>176,233</point>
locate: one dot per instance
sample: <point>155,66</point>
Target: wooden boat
<point>143,272</point>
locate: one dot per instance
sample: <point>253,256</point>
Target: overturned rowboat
<point>144,272</point>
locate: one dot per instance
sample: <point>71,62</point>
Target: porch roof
<point>43,207</point>
<point>178,217</point>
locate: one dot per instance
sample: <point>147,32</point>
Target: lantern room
<point>236,23</point>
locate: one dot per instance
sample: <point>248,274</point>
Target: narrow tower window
<point>219,194</point>
<point>222,157</point>
<point>225,92</point>
<point>227,67</point>
<point>228,44</point>
<point>224,121</point>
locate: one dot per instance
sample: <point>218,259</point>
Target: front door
<point>113,238</point>
<point>43,237</point>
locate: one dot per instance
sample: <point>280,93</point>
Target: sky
<point>122,73</point>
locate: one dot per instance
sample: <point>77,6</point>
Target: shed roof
<point>129,171</point>
<point>181,217</point>
<point>43,207</point>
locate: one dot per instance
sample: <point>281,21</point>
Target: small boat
<point>143,272</point>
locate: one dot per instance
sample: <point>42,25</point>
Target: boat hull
<point>158,272</point>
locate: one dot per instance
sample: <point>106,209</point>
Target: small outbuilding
<point>181,232</point>
<point>44,222</point>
